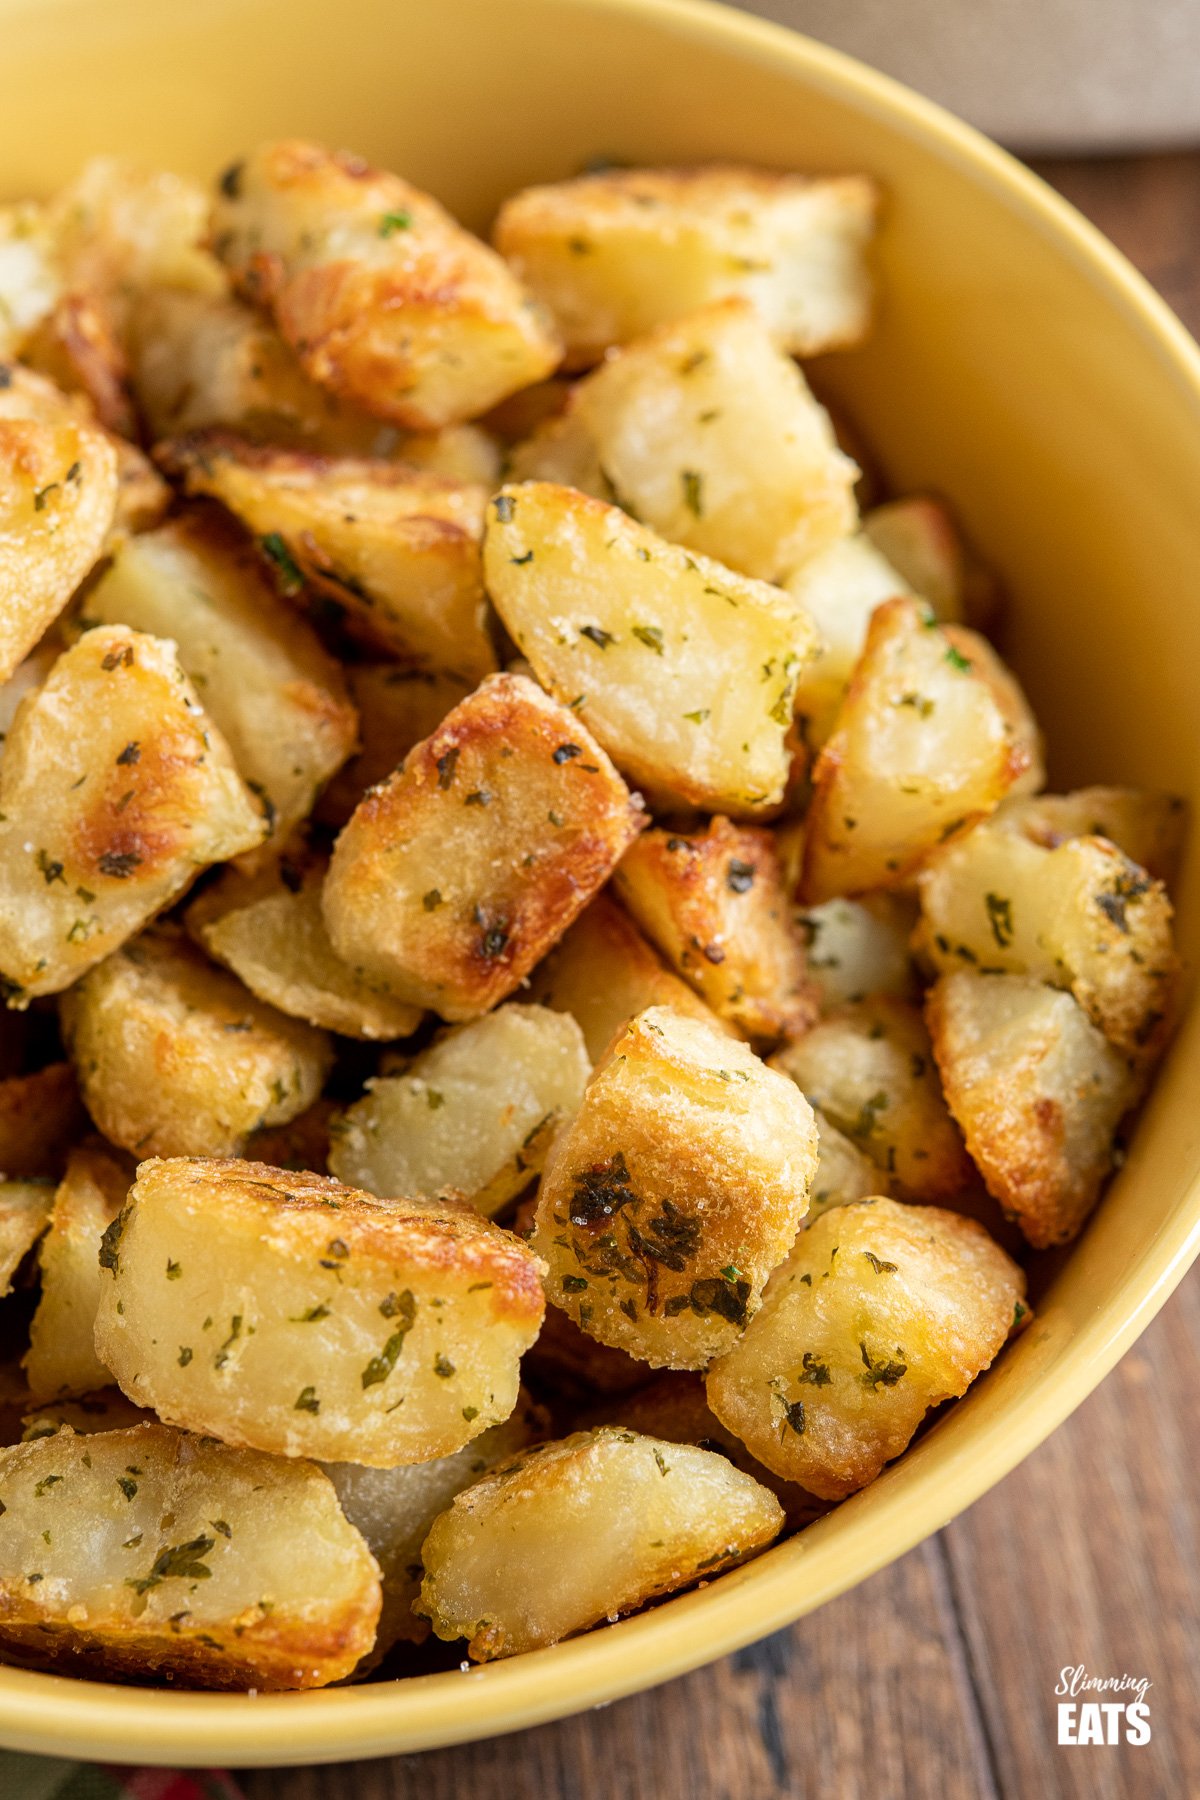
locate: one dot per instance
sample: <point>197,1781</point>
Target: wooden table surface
<point>935,1679</point>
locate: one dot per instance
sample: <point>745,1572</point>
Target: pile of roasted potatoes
<point>545,995</point>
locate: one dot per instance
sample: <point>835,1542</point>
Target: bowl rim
<point>61,1715</point>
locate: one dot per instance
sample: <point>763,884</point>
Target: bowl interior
<point>1018,366</point>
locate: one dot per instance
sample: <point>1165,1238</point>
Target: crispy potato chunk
<point>858,947</point>
<point>708,434</point>
<point>1149,827</point>
<point>1081,916</point>
<point>269,929</point>
<point>675,1191</point>
<point>923,748</point>
<point>604,971</point>
<point>394,551</point>
<point>457,875</point>
<point>41,1115</point>
<point>74,346</point>
<point>396,707</point>
<point>115,791</point>
<point>615,254</point>
<point>61,1359</point>
<point>58,479</point>
<point>283,1311</point>
<point>265,681</point>
<point>919,537</point>
<point>476,1111</point>
<point>714,904</point>
<point>1038,1091</point>
<point>24,1214</point>
<point>629,1517</point>
<point>176,1058</point>
<point>383,297</point>
<point>394,1508</point>
<point>29,280</point>
<point>869,1068</point>
<point>840,589</point>
<point>149,1553</point>
<point>844,1172</point>
<point>881,1312</point>
<point>634,633</point>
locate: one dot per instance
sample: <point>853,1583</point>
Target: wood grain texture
<point>935,1679</point>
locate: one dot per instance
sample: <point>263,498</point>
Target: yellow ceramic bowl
<point>1019,365</point>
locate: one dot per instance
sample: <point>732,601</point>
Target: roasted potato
<point>675,1191</point>
<point>629,1517</point>
<point>76,348</point>
<point>1038,1092</point>
<point>41,1116</point>
<point>176,1058</point>
<point>383,297</point>
<point>633,633</point>
<point>286,1312</point>
<point>115,791</point>
<point>844,1172</point>
<point>397,707</point>
<point>29,280</point>
<point>24,1214</point>
<point>1081,916</point>
<point>923,748</point>
<point>392,551</point>
<point>615,254</point>
<point>58,477</point>
<point>880,1312</point>
<point>277,698</point>
<point>707,433</point>
<point>269,929</point>
<point>1149,827</point>
<point>394,1508</point>
<point>868,1067</point>
<point>476,1111</point>
<point>457,875</point>
<point>603,972</point>
<point>714,904</point>
<point>839,589</point>
<point>61,1360</point>
<point>858,947</point>
<point>148,1553</point>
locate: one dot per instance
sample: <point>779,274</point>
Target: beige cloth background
<point>1041,75</point>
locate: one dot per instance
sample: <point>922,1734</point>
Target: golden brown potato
<point>844,1172</point>
<point>707,433</point>
<point>58,479</point>
<point>476,1111</point>
<point>603,972</point>
<point>276,697</point>
<point>148,1553</point>
<point>283,1311</point>
<point>24,1214</point>
<point>269,929</point>
<point>881,1312</point>
<point>393,552</point>
<point>858,947</point>
<point>394,1508</point>
<point>714,903</point>
<point>29,280</point>
<point>1038,1091</point>
<point>76,348</point>
<point>675,1191</point>
<point>176,1058</point>
<point>457,875</point>
<point>1149,827</point>
<point>615,254</point>
<point>839,588</point>
<point>869,1068</point>
<point>634,634</point>
<point>41,1116</point>
<point>383,297</point>
<point>919,537</point>
<point>115,791</point>
<point>628,1517</point>
<point>923,748</point>
<point>61,1359</point>
<point>396,707</point>
<point>1081,916</point>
